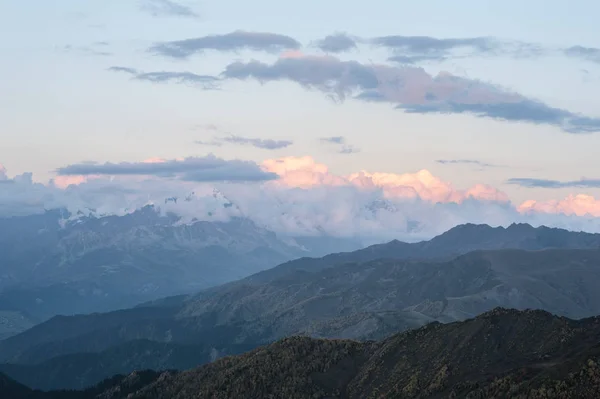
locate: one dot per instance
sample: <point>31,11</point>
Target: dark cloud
<point>587,53</point>
<point>525,110</point>
<point>336,43</point>
<point>234,41</point>
<point>208,168</point>
<point>168,8</point>
<point>327,74</point>
<point>473,162</point>
<point>411,88</point>
<point>545,183</point>
<point>203,81</point>
<point>266,144</point>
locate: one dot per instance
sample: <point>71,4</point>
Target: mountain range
<point>500,353</point>
<point>59,263</point>
<point>366,294</point>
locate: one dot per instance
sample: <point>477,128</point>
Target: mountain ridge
<point>501,353</point>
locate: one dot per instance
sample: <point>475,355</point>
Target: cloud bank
<point>306,198</point>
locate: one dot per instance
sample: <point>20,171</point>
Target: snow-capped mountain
<point>57,262</point>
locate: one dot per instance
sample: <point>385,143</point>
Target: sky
<point>485,111</point>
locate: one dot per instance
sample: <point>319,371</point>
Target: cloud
<point>415,49</point>
<point>94,49</point>
<point>306,199</point>
<point>525,110</point>
<point>200,169</point>
<point>586,53</point>
<point>334,140</point>
<point>228,138</point>
<point>415,59</point>
<point>234,41</point>
<point>579,205</point>
<point>340,141</point>
<point>131,71</point>
<point>211,143</point>
<point>266,144</point>
<point>411,88</point>
<point>348,149</point>
<point>431,45</point>
<point>545,183</point>
<point>336,43</point>
<point>168,8</point>
<point>473,162</point>
<point>305,172</point>
<point>205,82</point>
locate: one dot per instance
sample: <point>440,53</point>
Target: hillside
<point>498,353</point>
<point>501,353</point>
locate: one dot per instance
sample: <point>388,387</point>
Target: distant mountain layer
<point>52,264</point>
<point>501,353</point>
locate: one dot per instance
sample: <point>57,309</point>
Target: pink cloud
<point>154,160</point>
<point>305,172</point>
<point>292,54</point>
<point>66,181</point>
<point>579,205</point>
<point>301,172</point>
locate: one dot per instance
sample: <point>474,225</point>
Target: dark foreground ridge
<point>501,353</point>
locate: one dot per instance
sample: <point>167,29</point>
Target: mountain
<point>364,301</point>
<point>456,241</point>
<point>59,263</point>
<point>501,353</point>
<point>89,368</point>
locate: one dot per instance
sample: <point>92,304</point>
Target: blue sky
<point>63,105</point>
